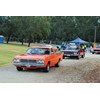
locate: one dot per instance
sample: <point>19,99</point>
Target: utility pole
<point>95,34</point>
<point>95,31</point>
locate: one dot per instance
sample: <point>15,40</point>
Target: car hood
<point>96,48</point>
<point>28,56</point>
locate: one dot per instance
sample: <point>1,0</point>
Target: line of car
<point>46,56</point>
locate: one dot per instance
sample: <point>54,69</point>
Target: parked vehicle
<point>38,57</point>
<point>73,51</point>
<point>95,50</point>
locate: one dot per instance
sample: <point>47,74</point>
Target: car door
<point>52,57</point>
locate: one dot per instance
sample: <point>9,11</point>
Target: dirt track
<point>70,71</point>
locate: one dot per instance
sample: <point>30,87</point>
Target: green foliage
<point>49,28</point>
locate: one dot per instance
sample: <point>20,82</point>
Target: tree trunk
<point>29,41</point>
<point>22,42</point>
<point>29,44</point>
<point>7,40</point>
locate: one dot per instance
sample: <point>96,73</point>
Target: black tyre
<point>57,65</point>
<point>63,57</point>
<point>19,69</point>
<point>92,52</point>
<point>47,69</point>
<point>83,55</point>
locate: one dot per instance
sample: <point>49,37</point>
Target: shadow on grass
<point>17,44</point>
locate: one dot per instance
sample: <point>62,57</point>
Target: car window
<point>98,46</point>
<point>72,48</point>
<point>38,51</point>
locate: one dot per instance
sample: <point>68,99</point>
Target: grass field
<point>8,51</point>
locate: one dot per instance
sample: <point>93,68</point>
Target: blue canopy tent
<point>79,41</point>
<point>1,39</point>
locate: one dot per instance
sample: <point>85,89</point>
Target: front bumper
<point>31,66</point>
<point>95,51</point>
<point>70,55</point>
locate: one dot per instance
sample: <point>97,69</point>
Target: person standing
<point>85,46</point>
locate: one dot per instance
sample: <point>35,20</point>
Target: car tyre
<point>19,69</point>
<point>57,65</point>
<point>63,57</point>
<point>47,69</point>
<point>83,55</point>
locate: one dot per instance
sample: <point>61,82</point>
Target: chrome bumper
<point>96,51</point>
<point>20,64</point>
<point>68,55</point>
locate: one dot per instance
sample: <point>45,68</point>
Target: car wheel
<point>63,57</point>
<point>92,52</point>
<point>47,68</point>
<point>19,69</point>
<point>57,65</point>
<point>83,55</point>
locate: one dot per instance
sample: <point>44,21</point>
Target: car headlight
<point>40,61</point>
<point>16,60</point>
<point>75,53</point>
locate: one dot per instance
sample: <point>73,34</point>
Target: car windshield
<point>72,48</point>
<point>98,46</point>
<point>38,51</point>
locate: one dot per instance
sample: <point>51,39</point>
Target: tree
<point>49,28</point>
<point>8,27</point>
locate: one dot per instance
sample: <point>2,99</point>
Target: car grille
<point>96,50</point>
<point>68,52</point>
<point>26,61</point>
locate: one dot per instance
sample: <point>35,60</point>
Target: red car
<point>96,50</point>
<point>73,51</point>
<point>38,57</point>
